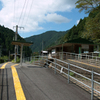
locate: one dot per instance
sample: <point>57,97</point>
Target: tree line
<point>6,37</point>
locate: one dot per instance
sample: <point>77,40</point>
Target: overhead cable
<point>25,10</point>
<point>21,12</point>
<point>29,12</point>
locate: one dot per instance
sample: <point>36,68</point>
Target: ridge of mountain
<point>44,40</point>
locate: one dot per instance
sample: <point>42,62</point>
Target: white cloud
<point>77,21</point>
<point>41,11</point>
<point>56,18</point>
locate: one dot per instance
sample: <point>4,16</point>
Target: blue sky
<point>38,16</point>
<point>1,5</point>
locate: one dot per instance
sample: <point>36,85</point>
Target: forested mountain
<point>92,25</point>
<point>6,37</point>
<point>88,28</point>
<point>45,40</point>
<point>74,32</point>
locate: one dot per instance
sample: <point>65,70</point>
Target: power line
<point>22,12</point>
<point>23,18</point>
<point>29,12</point>
<point>14,12</point>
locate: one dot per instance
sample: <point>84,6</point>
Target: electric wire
<point>21,12</point>
<point>24,15</point>
<point>24,12</point>
<point>28,15</point>
<point>29,12</point>
<point>16,10</point>
<point>13,12</point>
<point>15,5</point>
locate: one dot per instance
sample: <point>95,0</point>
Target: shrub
<point>17,60</point>
<point>71,74</point>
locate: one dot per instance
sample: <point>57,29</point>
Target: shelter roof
<point>77,41</point>
<point>80,41</point>
<point>21,43</point>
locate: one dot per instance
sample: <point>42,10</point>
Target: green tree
<point>74,32</point>
<point>87,5</point>
<point>92,25</point>
<point>6,37</point>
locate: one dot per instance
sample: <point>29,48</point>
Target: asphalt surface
<point>39,83</point>
<point>7,91</point>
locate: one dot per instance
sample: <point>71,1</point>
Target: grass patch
<point>99,54</point>
<point>71,74</point>
<point>17,60</point>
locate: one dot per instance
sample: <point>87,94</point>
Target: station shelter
<point>21,44</point>
<point>78,46</point>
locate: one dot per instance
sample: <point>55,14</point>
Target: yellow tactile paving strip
<point>18,88</point>
<point>84,63</point>
<point>3,67</point>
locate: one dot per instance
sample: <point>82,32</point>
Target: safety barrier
<point>63,69</point>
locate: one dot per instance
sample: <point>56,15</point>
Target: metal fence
<point>88,79</point>
<point>36,60</point>
<point>86,58</point>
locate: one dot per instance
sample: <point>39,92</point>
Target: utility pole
<point>9,55</point>
<point>42,48</point>
<point>16,46</point>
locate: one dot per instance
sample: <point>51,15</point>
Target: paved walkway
<point>38,83</point>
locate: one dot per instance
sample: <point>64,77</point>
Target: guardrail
<point>66,71</point>
<point>88,79</point>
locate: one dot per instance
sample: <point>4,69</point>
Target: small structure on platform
<point>21,44</point>
<point>44,53</point>
<point>78,45</point>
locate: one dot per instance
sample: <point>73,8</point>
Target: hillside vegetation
<point>6,37</point>
<point>88,28</point>
<point>74,32</point>
<point>45,40</point>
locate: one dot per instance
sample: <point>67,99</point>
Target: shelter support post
<point>21,54</point>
